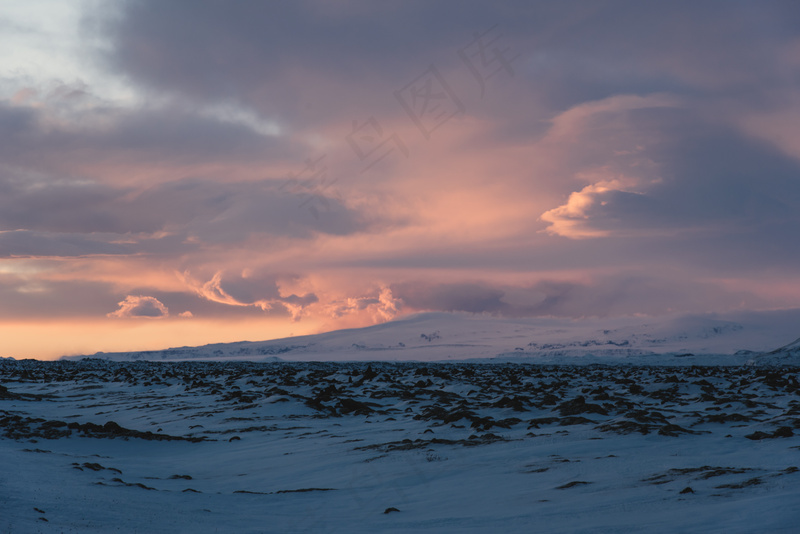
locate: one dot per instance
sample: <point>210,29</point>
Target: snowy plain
<point>577,432</point>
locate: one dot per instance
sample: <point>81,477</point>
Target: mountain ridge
<point>736,338</point>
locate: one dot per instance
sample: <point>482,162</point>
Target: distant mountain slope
<point>786,355</point>
<point>733,338</point>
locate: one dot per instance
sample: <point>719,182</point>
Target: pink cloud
<point>139,306</point>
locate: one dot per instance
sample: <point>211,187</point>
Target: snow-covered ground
<point>97,446</point>
<point>729,339</point>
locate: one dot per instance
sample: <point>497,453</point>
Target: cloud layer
<point>140,306</point>
<point>326,164</point>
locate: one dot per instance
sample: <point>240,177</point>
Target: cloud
<point>380,307</point>
<point>658,171</point>
<point>572,51</point>
<point>136,306</point>
<point>30,292</point>
<point>42,215</point>
<point>68,131</point>
<point>468,297</point>
<point>251,290</point>
<point>571,219</point>
<point>24,243</point>
<point>229,52</point>
<point>619,170</point>
<point>627,293</point>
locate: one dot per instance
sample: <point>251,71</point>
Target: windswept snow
<point>95,446</point>
<point>730,339</point>
<point>786,355</point>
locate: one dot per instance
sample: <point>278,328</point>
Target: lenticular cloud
<point>140,306</point>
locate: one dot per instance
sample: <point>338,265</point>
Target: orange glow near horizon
<point>49,340</point>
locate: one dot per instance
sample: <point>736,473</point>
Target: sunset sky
<point>180,173</point>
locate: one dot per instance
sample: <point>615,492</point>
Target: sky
<point>181,173</point>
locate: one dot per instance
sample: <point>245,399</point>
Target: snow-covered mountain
<point>786,355</point>
<point>733,338</point>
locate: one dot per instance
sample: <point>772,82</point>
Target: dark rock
<point>578,406</point>
<point>572,484</point>
<point>575,420</point>
<point>305,490</point>
<point>674,430</point>
<point>534,423</point>
<point>758,435</point>
<point>626,427</point>
<point>550,399</point>
<point>93,466</point>
<point>517,404</point>
<point>782,432</point>
<point>347,406</point>
<point>747,483</point>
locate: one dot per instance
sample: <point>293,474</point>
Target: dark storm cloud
<point>716,47</point>
<point>625,294</point>
<point>574,51</point>
<point>469,297</point>
<point>26,297</point>
<point>608,296</point>
<point>51,217</point>
<point>54,139</point>
<point>708,175</point>
<point>714,196</point>
<point>230,212</point>
<point>32,244</point>
<point>34,202</point>
<point>16,121</point>
<point>271,54</point>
